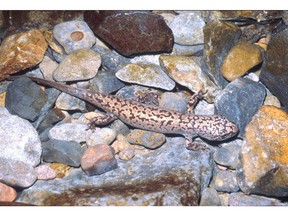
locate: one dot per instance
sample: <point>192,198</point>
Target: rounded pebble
<point>102,136</point>
<point>45,172</point>
<point>7,194</point>
<point>225,181</point>
<point>173,101</point>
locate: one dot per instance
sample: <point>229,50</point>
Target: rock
<point>171,173</point>
<point>105,82</point>
<point>70,132</point>
<point>80,65</point>
<point>186,71</point>
<point>45,172</point>
<point>25,98</point>
<point>239,101</point>
<point>240,59</point>
<point>173,101</point>
<point>74,35</point>
<point>145,32</point>
<point>61,151</point>
<point>47,67</point>
<point>111,60</point>
<point>204,108</point>
<point>219,38</point>
<point>273,73</point>
<point>228,154</point>
<point>21,51</point>
<point>272,101</point>
<point>210,197</point>
<point>62,170</point>
<point>147,75</point>
<point>187,28</point>
<point>98,159</point>
<point>120,144</point>
<point>16,173</point>
<point>127,154</point>
<point>225,181</point>
<point>240,199</point>
<point>68,102</point>
<point>182,50</point>
<point>7,194</point>
<point>148,139</point>
<point>19,140</point>
<point>119,127</point>
<point>264,154</point>
<point>53,116</point>
<point>102,136</point>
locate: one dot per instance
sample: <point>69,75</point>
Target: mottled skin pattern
<point>153,118</point>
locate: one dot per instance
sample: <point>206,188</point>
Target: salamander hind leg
<point>195,146</point>
<point>193,101</point>
<point>102,120</point>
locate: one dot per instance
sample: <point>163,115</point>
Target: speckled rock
<point>241,58</point>
<point>145,31</point>
<point>47,67</point>
<point>169,172</point>
<point>126,154</point>
<point>241,199</point>
<point>69,132</point>
<point>210,197</point>
<point>187,72</point>
<point>147,75</point>
<point>273,73</point>
<point>219,38</point>
<point>16,173</point>
<point>7,194</point>
<point>68,102</point>
<point>80,65</point>
<point>239,101</point>
<point>173,101</point>
<point>120,144</point>
<point>60,151</point>
<point>264,154</point>
<point>20,51</point>
<point>74,35</point>
<point>19,140</point>
<point>187,28</point>
<point>225,181</point>
<point>148,139</point>
<point>98,159</point>
<point>45,172</point>
<point>102,136</point>
<point>25,98</point>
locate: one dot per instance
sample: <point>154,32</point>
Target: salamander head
<point>215,127</point>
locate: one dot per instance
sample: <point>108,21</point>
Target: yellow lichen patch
<point>61,170</point>
<point>2,99</point>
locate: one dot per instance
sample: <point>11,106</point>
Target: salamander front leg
<point>193,101</point>
<point>102,120</point>
<point>195,146</point>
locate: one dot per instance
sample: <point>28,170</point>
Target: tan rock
<point>264,153</point>
<point>7,194</point>
<point>240,59</point>
<point>21,51</point>
<point>45,172</point>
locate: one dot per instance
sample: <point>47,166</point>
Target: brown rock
<point>131,32</point>
<point>21,51</point>
<point>7,194</point>
<point>264,154</point>
<point>240,59</point>
<point>98,159</point>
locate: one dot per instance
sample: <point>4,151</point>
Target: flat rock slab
<point>170,175</point>
<point>131,32</point>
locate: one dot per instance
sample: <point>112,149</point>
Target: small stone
<point>45,172</point>
<point>187,28</point>
<point>61,170</point>
<point>273,73</point>
<point>133,92</point>
<point>126,154</point>
<point>240,59</point>
<point>219,38</point>
<point>185,71</point>
<point>121,144</point>
<point>74,35</point>
<point>239,101</point>
<point>173,101</point>
<point>20,51</point>
<point>182,50</point>
<point>7,194</point>
<point>228,154</point>
<point>210,197</point>
<point>80,65</point>
<point>61,151</point>
<point>19,140</point>
<point>204,108</point>
<point>47,67</point>
<point>70,132</point>
<point>105,82</point>
<point>225,181</point>
<point>16,173</point>
<point>131,32</point>
<point>68,102</point>
<point>264,154</point>
<point>148,139</point>
<point>53,116</point>
<point>25,98</point>
<point>98,159</point>
<point>147,75</point>
<point>119,127</point>
<point>102,136</point>
<point>241,199</point>
<point>272,101</point>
